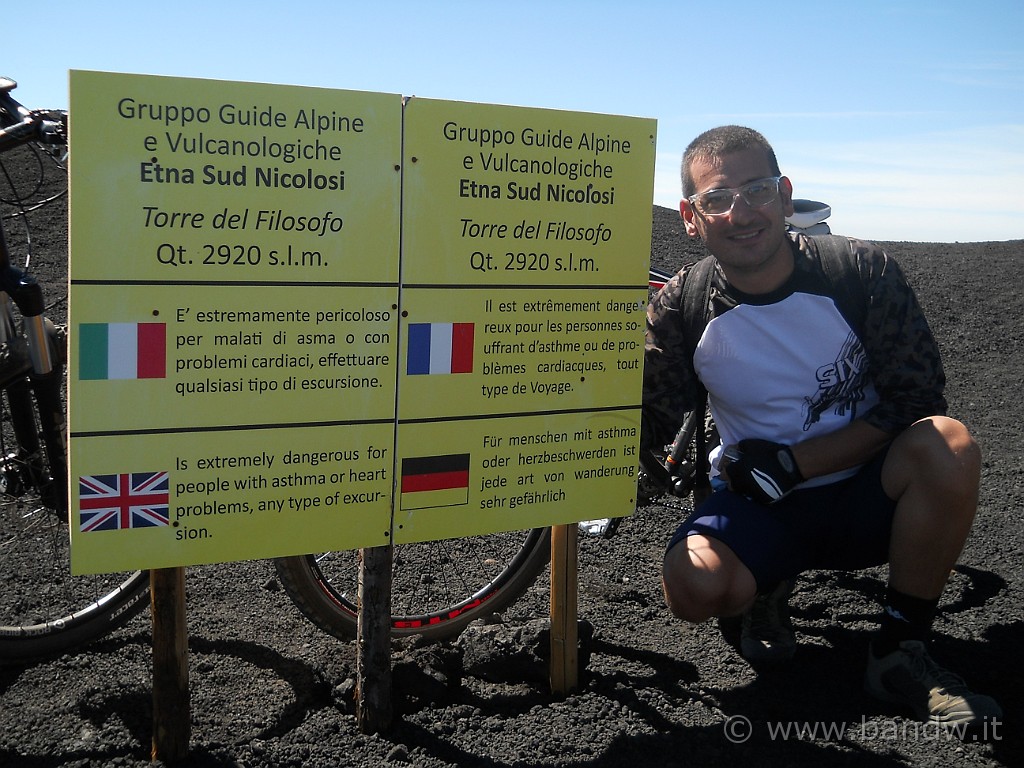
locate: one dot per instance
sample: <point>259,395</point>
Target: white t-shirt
<point>804,373</point>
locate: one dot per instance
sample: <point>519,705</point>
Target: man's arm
<point>854,444</point>
<point>767,471</point>
<point>669,384</point>
<point>906,366</point>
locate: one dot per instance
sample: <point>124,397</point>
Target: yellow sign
<point>155,499</point>
<point>516,196</point>
<point>200,181</point>
<point>526,235</point>
<point>256,371</point>
<point>232,356</point>
<point>234,319</point>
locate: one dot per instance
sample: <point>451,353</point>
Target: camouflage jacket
<point>904,364</point>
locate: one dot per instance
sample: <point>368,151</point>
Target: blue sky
<point>906,117</point>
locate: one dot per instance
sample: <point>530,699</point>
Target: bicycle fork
<point>37,353</point>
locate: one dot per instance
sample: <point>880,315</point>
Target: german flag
<point>435,481</point>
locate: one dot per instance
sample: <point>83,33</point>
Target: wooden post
<point>373,641</point>
<point>172,713</point>
<point>564,673</point>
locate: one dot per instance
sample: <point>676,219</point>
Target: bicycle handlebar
<point>21,125</point>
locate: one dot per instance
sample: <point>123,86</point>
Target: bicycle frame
<point>656,278</point>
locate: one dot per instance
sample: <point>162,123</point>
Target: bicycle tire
<point>43,609</point>
<point>438,587</point>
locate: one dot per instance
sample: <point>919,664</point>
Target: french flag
<point>440,348</point>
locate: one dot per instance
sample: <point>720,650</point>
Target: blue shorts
<point>841,526</point>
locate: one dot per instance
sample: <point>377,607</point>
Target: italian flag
<point>122,351</point>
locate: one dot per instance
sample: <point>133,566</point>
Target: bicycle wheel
<point>438,587</point>
<point>43,609</point>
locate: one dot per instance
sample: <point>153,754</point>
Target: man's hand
<point>763,470</point>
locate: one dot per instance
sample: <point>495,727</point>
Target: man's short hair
<point>721,141</point>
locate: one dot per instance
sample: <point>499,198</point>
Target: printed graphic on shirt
<point>840,384</point>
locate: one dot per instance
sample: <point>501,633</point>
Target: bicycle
<point>43,610</point>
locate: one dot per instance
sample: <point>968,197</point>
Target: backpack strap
<point>839,261</point>
<point>696,311</point>
<point>696,301</point>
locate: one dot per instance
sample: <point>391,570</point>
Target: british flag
<point>129,500</point>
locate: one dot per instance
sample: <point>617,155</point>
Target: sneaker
<point>911,677</point>
<point>766,633</point>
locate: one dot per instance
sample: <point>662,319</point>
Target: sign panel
<point>527,232</point>
<point>234,325</point>
<point>257,371</point>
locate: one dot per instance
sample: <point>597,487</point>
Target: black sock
<point>903,618</point>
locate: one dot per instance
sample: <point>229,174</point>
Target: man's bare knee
<point>702,578</point>
<point>938,452</point>
<point>687,603</point>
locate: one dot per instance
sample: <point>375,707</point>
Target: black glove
<point>763,470</point>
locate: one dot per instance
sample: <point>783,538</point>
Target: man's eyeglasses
<point>718,202</point>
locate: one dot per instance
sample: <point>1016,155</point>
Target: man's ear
<point>688,215</point>
<point>786,192</point>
